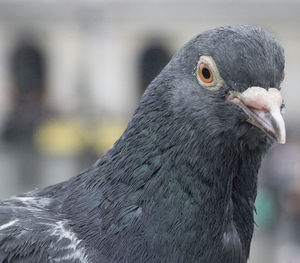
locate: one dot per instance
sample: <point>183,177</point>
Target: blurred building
<point>93,49</point>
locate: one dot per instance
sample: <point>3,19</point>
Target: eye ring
<point>205,73</point>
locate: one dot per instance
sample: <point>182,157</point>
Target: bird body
<point>180,183</point>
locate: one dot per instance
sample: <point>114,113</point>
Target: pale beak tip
<point>282,141</point>
<point>279,131</point>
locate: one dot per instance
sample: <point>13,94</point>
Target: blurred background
<point>72,72</point>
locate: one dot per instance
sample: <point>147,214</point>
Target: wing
<point>32,230</point>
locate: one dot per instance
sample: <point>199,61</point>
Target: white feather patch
<point>10,223</point>
<point>78,253</point>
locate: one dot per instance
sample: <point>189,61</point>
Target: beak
<point>263,110</point>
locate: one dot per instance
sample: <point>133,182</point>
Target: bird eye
<point>207,74</point>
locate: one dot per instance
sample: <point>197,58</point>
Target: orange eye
<point>205,73</point>
<point>282,76</point>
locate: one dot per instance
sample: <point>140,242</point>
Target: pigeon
<point>180,183</point>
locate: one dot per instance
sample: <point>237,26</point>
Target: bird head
<point>230,78</point>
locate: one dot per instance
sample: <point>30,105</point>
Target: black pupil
<point>206,73</point>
